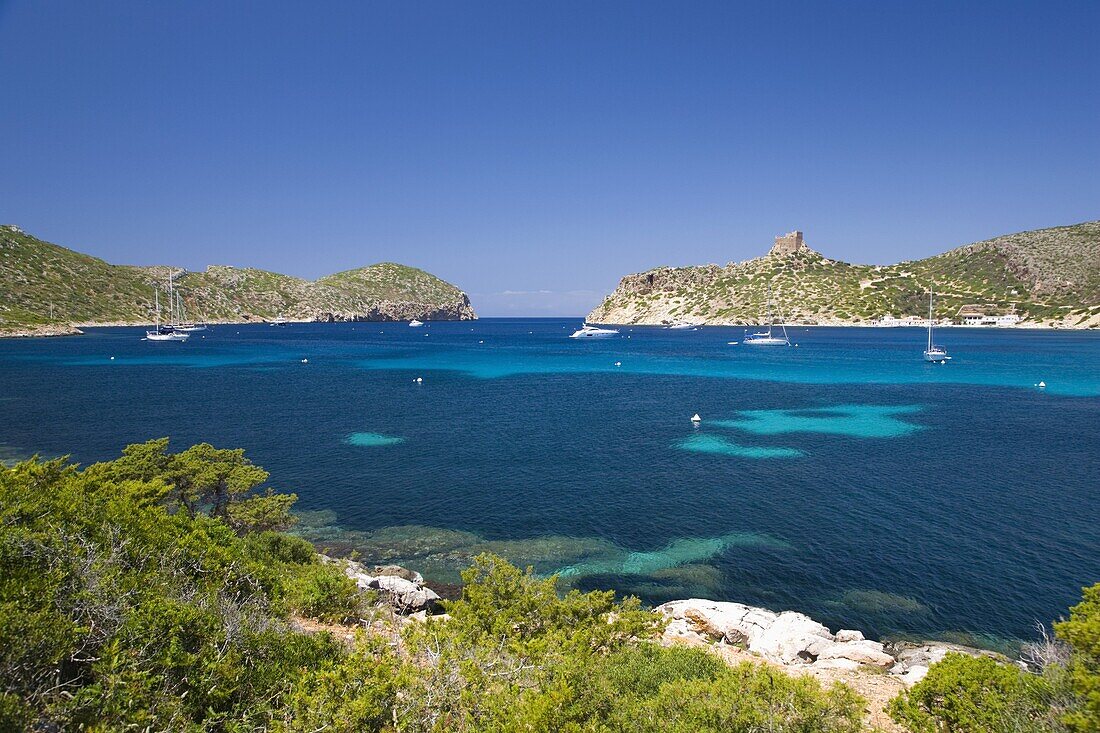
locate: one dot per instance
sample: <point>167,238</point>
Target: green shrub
<point>1082,633</point>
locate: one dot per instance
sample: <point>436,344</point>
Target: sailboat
<point>768,338</point>
<point>933,353</point>
<point>183,324</point>
<point>166,332</point>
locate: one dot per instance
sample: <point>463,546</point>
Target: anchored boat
<point>933,353</point>
<point>768,338</point>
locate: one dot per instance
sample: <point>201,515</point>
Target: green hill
<point>43,283</point>
<point>1047,277</point>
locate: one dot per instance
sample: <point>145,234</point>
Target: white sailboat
<point>167,332</point>
<point>933,353</point>
<point>587,331</point>
<point>182,323</point>
<point>768,338</point>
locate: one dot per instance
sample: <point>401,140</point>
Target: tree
<point>1082,633</point>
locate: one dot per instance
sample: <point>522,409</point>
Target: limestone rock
<point>404,589</point>
<point>862,652</point>
<point>793,638</point>
<point>404,595</point>
<point>849,635</point>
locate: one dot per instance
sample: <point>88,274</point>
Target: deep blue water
<point>844,478</point>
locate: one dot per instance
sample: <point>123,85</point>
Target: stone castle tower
<point>788,244</point>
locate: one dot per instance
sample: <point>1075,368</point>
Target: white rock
<point>405,595</point>
<point>849,635</point>
<point>861,652</point>
<point>913,675</point>
<point>792,639</point>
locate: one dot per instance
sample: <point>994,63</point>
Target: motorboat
<point>768,338</point>
<point>682,326</point>
<point>280,321</point>
<point>934,353</point>
<point>415,323</point>
<point>587,331</point>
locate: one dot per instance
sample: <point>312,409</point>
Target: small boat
<point>682,326</point>
<point>280,321</point>
<point>415,323</point>
<point>934,353</point>
<point>166,332</point>
<point>768,338</point>
<point>587,331</point>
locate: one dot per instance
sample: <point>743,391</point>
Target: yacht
<point>933,353</point>
<point>280,321</point>
<point>587,331</point>
<point>166,332</point>
<point>768,338</point>
<point>185,325</point>
<point>415,323</point>
<point>682,326</point>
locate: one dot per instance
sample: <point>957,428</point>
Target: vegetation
<point>47,284</point>
<point>155,592</point>
<point>1060,693</point>
<point>1050,274</point>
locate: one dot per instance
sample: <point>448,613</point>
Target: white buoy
<point>305,361</point>
<point>112,358</point>
<point>696,418</point>
<point>419,380</point>
<point>1042,384</point>
<point>481,342</point>
<point>618,363</point>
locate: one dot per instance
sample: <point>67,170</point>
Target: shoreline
<point>76,329</point>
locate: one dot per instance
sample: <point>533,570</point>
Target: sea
<point>842,477</point>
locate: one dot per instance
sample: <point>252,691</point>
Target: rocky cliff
<point>1047,277</point>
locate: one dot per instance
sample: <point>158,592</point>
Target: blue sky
<point>534,152</point>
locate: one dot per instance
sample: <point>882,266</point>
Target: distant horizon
<point>534,155</point>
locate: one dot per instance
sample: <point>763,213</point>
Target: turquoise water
<point>843,477</point>
<point>373,440</point>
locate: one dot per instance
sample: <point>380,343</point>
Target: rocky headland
<point>51,290</point>
<point>1047,278</point>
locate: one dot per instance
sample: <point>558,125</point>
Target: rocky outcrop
<point>403,589</point>
<point>390,310</point>
<point>59,329</point>
<point>795,640</point>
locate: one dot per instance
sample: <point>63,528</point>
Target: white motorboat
<point>768,338</point>
<point>682,326</point>
<point>587,331</point>
<point>280,321</point>
<point>167,332</point>
<point>415,323</point>
<point>933,353</point>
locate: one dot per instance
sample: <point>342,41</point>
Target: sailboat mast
<point>770,319</point>
<point>156,299</point>
<point>930,318</point>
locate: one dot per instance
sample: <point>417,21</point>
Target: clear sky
<point>534,152</point>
